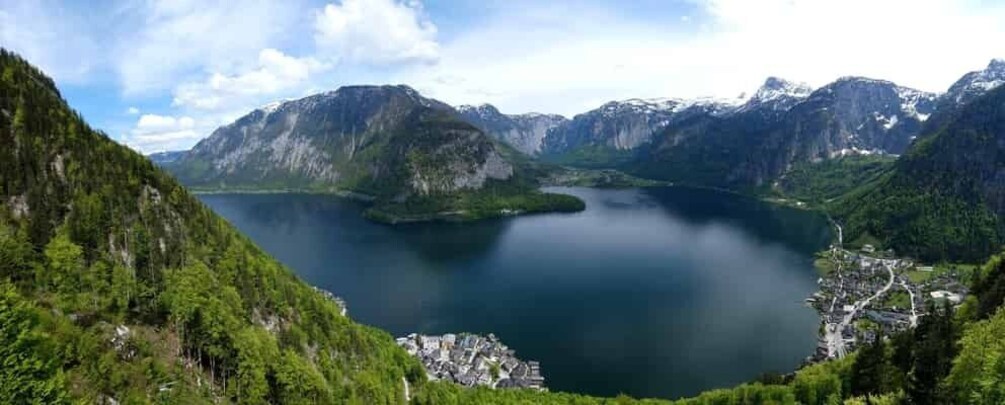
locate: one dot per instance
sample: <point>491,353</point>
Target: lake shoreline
<point>636,268</point>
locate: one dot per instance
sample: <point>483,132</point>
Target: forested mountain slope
<point>115,283</point>
<point>944,199</point>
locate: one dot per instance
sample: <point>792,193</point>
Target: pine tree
<point>867,373</point>
<point>935,347</point>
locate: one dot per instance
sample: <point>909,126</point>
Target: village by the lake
<point>471,360</point>
<point>867,291</point>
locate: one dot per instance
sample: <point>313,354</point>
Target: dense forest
<point>941,201</point>
<point>818,183</point>
<point>116,284</point>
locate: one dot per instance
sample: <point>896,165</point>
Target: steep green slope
<point>820,182</point>
<point>116,283</point>
<point>944,199</point>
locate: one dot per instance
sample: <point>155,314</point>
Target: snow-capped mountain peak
<point>775,88</point>
<point>777,94</point>
<point>976,83</point>
<point>272,107</point>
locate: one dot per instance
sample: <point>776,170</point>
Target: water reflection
<point>662,292</point>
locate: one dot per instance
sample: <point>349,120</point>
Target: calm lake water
<point>654,293</point>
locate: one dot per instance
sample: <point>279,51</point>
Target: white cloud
<point>132,111</point>
<point>157,133</point>
<point>277,73</point>
<point>377,31</point>
<point>175,39</point>
<point>537,58</point>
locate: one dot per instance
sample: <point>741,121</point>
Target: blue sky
<point>160,75</point>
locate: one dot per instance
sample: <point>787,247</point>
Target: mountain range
<point>393,145</point>
<point>409,154</point>
<point>118,286</point>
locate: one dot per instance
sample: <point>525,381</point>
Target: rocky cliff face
<point>525,132</point>
<point>382,140</point>
<point>857,115</point>
<point>627,125</point>
<point>783,124</point>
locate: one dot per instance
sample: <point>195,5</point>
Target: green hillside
<point>93,238</point>
<point>944,199</point>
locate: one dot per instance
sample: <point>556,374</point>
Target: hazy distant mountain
<point>524,132</point>
<point>163,158</point>
<point>622,127</point>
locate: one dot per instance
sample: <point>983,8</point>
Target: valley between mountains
<point>117,285</point>
<point>419,159</point>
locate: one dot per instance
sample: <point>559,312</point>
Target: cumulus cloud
<point>157,133</point>
<point>178,38</point>
<point>276,73</point>
<point>377,31</point>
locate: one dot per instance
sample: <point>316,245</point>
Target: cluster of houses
<point>859,299</point>
<point>471,360</point>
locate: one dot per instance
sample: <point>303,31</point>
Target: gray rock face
<point>783,124</point>
<point>624,125</point>
<point>525,132</point>
<point>853,115</point>
<point>383,140</point>
<point>858,115</point>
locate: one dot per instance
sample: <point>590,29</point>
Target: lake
<point>660,292</point>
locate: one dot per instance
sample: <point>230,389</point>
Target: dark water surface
<point>653,293</point>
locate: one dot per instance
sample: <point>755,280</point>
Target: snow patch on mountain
<point>777,94</point>
<point>974,84</point>
<point>911,99</point>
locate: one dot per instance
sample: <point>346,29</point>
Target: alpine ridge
<point>524,132</point>
<point>389,144</point>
